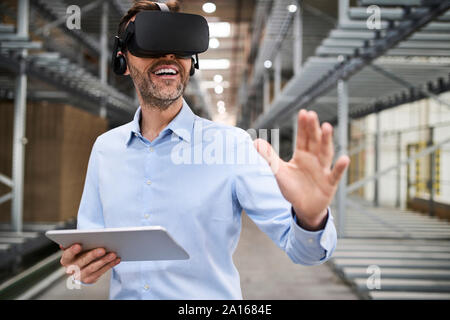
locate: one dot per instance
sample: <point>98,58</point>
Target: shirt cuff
<point>323,241</point>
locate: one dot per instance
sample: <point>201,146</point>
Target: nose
<point>170,56</point>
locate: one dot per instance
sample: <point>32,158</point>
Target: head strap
<point>162,6</point>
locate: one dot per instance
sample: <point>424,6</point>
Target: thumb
<point>268,153</point>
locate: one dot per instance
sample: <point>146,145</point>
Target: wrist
<point>312,224</point>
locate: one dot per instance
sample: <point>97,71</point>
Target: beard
<point>160,94</point>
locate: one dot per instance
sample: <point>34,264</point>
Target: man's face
<point>160,81</point>
<point>156,88</point>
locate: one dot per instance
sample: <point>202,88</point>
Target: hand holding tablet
<point>121,244</point>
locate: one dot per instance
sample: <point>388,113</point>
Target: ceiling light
<point>209,7</point>
<point>218,89</point>
<point>292,8</point>
<point>267,64</point>
<point>218,78</point>
<point>214,43</point>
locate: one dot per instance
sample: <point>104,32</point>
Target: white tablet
<point>130,244</point>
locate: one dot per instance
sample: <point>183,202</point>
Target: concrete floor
<point>266,273</point>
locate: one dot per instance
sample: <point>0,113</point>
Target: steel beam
<point>298,39</point>
<point>266,91</point>
<point>6,197</point>
<point>104,54</point>
<point>406,84</point>
<point>389,13</point>
<point>20,105</point>
<point>353,64</point>
<point>342,143</point>
<point>398,175</point>
<point>6,180</point>
<point>79,84</point>
<point>343,7</point>
<point>277,74</point>
<point>399,51</point>
<point>432,171</point>
<point>396,3</point>
<point>377,142</point>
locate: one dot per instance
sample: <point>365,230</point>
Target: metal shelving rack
<point>355,71</point>
<point>85,85</point>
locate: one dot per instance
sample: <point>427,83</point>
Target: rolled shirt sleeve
<point>314,247</point>
<point>258,194</point>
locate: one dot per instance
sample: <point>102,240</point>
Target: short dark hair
<point>143,5</point>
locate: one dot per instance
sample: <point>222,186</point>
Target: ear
<point>192,70</point>
<point>120,53</point>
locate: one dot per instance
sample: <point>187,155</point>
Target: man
<point>148,172</point>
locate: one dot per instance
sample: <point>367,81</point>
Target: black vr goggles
<point>154,34</point>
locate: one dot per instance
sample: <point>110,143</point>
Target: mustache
<point>167,63</point>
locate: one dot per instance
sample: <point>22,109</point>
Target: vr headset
<point>153,34</point>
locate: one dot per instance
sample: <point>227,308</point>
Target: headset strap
<point>162,6</point>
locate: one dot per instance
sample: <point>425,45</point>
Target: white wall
<point>422,113</point>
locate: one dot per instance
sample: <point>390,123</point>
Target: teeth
<point>160,71</point>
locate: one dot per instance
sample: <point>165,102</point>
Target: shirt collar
<point>181,125</point>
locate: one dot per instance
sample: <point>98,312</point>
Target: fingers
<point>302,136</point>
<point>93,277</point>
<point>326,149</point>
<point>92,272</point>
<point>92,263</point>
<point>314,133</point>
<point>89,257</point>
<point>314,138</point>
<point>308,132</point>
<point>339,168</point>
<point>268,153</point>
<point>69,254</point>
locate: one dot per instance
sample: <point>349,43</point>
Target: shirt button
<point>135,134</point>
<point>310,240</point>
<point>151,149</point>
<point>149,182</point>
<point>146,287</point>
<point>146,216</point>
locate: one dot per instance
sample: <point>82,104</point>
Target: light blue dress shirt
<point>194,179</point>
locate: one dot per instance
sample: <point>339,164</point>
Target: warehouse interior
<point>377,70</point>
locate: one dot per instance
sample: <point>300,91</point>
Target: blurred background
<point>377,70</point>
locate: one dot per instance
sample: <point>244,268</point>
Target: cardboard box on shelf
<point>60,139</point>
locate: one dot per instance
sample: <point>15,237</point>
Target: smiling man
<point>132,180</point>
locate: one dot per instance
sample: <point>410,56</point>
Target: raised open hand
<point>307,180</point>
